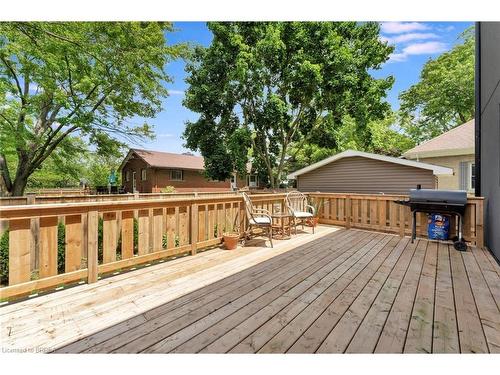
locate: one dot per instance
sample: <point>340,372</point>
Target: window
<point>127,176</point>
<point>176,175</point>
<point>143,175</point>
<point>472,176</point>
<point>252,180</point>
<point>467,176</point>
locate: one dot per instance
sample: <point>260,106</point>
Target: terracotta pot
<point>313,222</point>
<point>230,240</point>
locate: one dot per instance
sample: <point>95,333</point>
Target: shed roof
<point>436,169</point>
<point>457,141</point>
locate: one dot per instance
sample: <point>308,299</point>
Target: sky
<point>415,43</point>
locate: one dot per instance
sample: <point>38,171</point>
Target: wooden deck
<point>338,291</point>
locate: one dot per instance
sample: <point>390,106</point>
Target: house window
<point>127,176</point>
<point>143,175</point>
<point>472,179</point>
<point>467,176</point>
<point>176,175</point>
<point>252,180</point>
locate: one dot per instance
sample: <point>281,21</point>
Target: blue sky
<point>415,43</point>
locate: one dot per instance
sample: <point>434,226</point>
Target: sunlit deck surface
<point>335,291</point>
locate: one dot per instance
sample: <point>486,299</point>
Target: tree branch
<point>4,172</point>
<point>14,75</point>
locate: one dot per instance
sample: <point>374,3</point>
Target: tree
<point>444,96</point>
<point>76,78</point>
<point>261,87</point>
<point>379,136</point>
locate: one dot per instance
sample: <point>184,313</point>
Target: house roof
<point>158,159</point>
<point>436,169</point>
<point>457,141</point>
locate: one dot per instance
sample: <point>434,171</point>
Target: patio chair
<point>299,208</point>
<point>257,218</point>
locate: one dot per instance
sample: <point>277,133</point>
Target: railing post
<point>402,221</point>
<point>92,257</point>
<point>348,212</point>
<point>194,228</point>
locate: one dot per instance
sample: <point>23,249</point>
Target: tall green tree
<point>444,96</point>
<point>380,136</point>
<point>264,86</point>
<point>72,78</point>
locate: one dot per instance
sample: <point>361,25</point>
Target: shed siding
<point>366,176</point>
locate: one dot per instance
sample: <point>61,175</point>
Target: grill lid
<point>458,197</point>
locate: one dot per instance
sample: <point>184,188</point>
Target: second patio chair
<point>299,208</point>
<point>257,218</point>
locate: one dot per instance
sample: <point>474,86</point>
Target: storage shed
<point>362,172</point>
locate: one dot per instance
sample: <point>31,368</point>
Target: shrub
<point>61,246</point>
<point>4,258</point>
<point>168,189</point>
<point>136,236</point>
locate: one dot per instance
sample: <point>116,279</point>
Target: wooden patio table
<point>281,225</point>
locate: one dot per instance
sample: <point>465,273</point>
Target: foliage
<point>168,189</point>
<point>444,96</point>
<point>261,87</point>
<point>98,166</point>
<point>61,247</point>
<point>4,258</point>
<point>76,78</point>
<point>379,136</point>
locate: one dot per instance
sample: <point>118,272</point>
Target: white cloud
<point>175,92</point>
<point>165,135</point>
<point>426,48</point>
<point>402,27</point>
<point>402,38</point>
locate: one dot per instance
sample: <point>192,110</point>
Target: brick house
<point>151,171</point>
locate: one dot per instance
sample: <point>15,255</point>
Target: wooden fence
<point>99,237</point>
<point>103,237</point>
<point>380,213</point>
<point>76,198</point>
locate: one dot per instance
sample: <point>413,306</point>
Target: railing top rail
<point>57,209</point>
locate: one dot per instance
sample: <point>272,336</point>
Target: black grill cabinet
<point>452,202</point>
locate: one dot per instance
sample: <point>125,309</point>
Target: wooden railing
<point>53,244</point>
<point>76,198</point>
<point>380,213</point>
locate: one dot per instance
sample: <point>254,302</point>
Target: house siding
<point>193,181</point>
<point>489,110</point>
<point>136,165</point>
<point>449,182</point>
<point>367,176</point>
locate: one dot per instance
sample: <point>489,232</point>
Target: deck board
<point>336,291</point>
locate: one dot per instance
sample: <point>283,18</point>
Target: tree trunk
<point>18,186</point>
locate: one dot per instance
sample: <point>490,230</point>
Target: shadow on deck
<point>336,291</point>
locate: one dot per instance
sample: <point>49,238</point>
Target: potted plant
<point>316,204</point>
<point>230,237</point>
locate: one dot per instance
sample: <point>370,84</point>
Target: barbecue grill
<point>431,201</point>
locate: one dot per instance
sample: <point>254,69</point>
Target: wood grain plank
<point>73,253</point>
<point>48,246</point>
<point>315,335</point>
<point>127,229</point>
<point>19,251</point>
<point>419,337</point>
<point>109,244</point>
<point>359,329</point>
<point>445,338</point>
<point>143,241</point>
<point>393,335</point>
<point>486,306</point>
<point>470,330</point>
